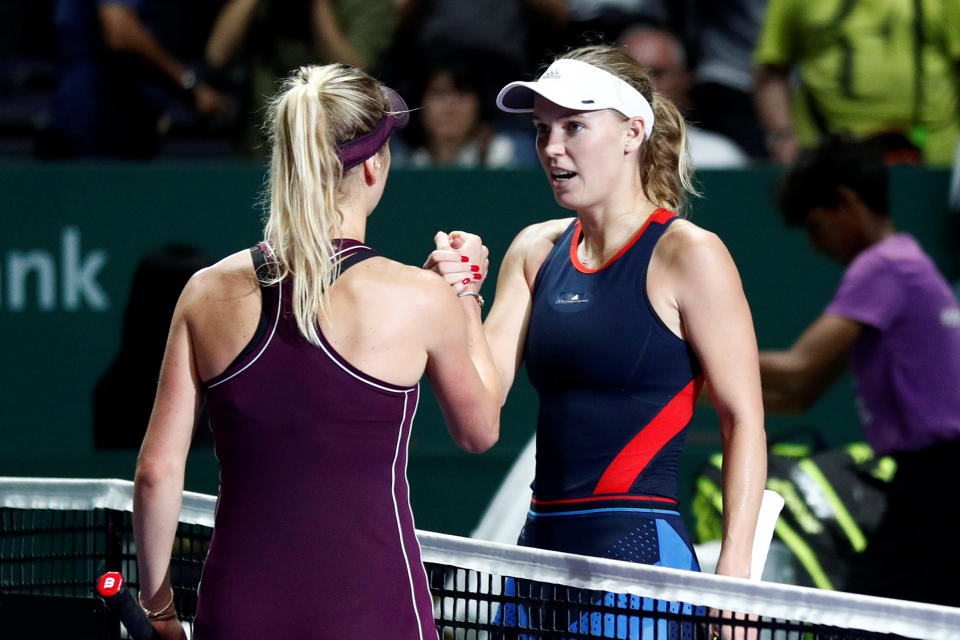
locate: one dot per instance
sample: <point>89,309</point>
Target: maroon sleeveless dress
<point>314,535</point>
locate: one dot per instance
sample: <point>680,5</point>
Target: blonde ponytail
<point>317,110</point>
<point>665,167</point>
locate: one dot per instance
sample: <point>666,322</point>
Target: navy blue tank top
<point>616,386</point>
<point>313,536</point>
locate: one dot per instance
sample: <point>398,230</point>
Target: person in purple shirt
<point>896,321</point>
<point>308,350</point>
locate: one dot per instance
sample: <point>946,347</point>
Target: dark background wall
<point>75,234</point>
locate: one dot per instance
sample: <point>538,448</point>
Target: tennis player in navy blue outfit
<point>621,314</point>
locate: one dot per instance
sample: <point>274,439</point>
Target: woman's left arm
<point>717,323</point>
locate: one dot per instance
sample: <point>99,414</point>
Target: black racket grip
<point>113,591</point>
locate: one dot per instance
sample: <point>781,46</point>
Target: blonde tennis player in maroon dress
<point>308,350</point>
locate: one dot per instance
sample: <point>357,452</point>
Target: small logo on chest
<point>571,298</point>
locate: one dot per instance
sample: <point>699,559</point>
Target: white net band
<point>771,600</point>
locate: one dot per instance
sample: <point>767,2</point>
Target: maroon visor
<point>359,149</point>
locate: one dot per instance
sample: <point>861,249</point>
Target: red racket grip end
<point>110,584</point>
<point>118,598</point>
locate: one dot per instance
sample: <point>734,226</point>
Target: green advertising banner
<point>78,233</point>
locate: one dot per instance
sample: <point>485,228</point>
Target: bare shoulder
<point>540,235</point>
<point>697,265</point>
<point>402,304</point>
<point>417,280</point>
<point>686,246</point>
<point>401,285</point>
<point>229,279</point>
<point>533,244</point>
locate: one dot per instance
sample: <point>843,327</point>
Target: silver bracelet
<point>474,294</point>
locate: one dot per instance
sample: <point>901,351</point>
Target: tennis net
<point>58,535</point>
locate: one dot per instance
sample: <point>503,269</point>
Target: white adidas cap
<point>574,84</point>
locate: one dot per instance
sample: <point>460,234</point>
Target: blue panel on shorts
<point>674,550</point>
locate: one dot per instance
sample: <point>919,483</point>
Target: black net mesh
<point>50,561</point>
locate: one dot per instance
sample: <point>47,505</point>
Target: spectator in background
<point>897,322</point>
<point>722,93</point>
<point>497,31</point>
<point>274,36</point>
<point>662,54</point>
<point>857,71</point>
<point>116,82</point>
<point>454,124</point>
<point>494,27</point>
<point>497,36</point>
<point>589,20</point>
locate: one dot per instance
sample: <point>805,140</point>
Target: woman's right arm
<point>506,324</point>
<point>158,484</point>
<point>772,97</point>
<point>497,344</point>
<point>459,364</point>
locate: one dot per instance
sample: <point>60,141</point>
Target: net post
<point>114,539</point>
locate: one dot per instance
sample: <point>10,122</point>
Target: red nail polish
<point>464,259</point>
<point>474,267</point>
<point>465,281</point>
<point>477,276</point>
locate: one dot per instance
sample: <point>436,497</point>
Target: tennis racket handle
<point>114,592</point>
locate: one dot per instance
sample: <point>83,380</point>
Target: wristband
<point>188,80</point>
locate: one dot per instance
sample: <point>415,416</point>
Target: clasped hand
<point>461,258</point>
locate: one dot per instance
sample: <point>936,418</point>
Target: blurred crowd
<point>758,80</point>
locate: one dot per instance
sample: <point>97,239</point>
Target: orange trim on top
<point>659,216</point>
<point>633,458</point>
<point>595,498</point>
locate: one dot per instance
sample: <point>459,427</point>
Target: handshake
<point>461,259</point>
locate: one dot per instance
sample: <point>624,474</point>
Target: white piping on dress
<point>361,378</point>
<point>273,330</point>
<point>396,512</point>
<point>277,319</point>
<point>423,569</point>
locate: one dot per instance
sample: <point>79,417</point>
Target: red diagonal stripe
<point>633,458</point>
